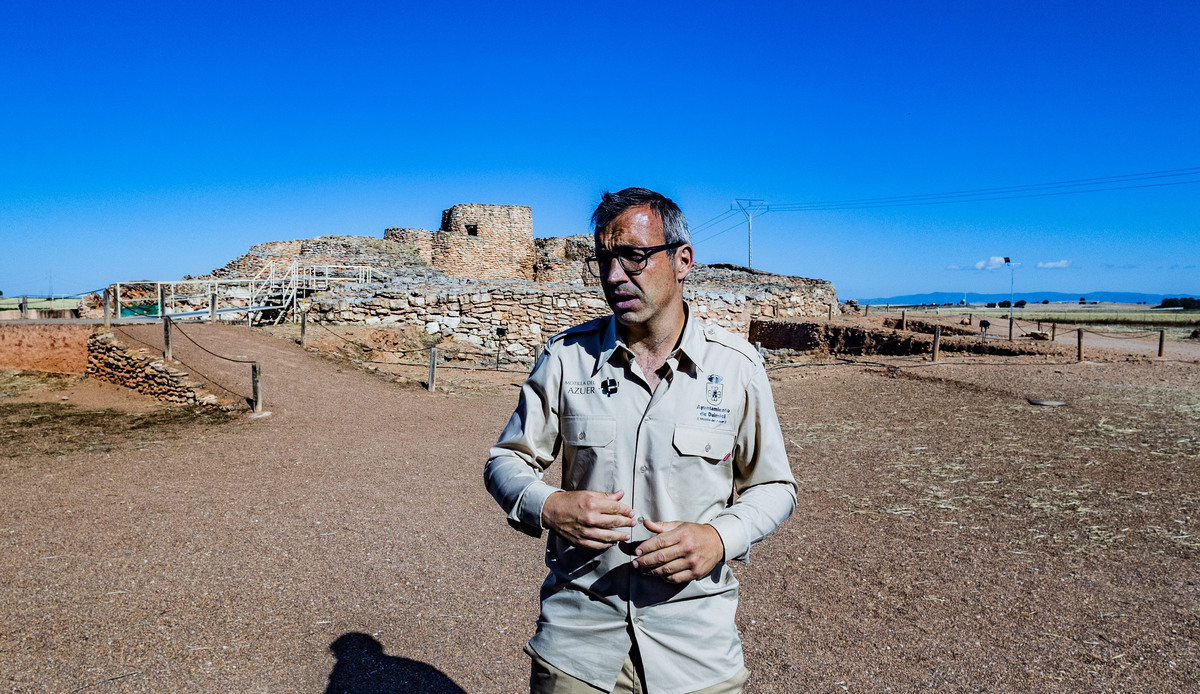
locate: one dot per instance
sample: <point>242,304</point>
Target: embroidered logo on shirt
<point>714,390</point>
<point>609,386</point>
<point>580,387</point>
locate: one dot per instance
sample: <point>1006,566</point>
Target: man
<point>673,464</point>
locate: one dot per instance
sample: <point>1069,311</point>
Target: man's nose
<point>615,274</point>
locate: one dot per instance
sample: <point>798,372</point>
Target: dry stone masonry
<point>480,241</point>
<point>474,311</point>
<point>483,273</point>
<point>110,360</point>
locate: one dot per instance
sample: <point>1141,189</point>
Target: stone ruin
<point>484,282</point>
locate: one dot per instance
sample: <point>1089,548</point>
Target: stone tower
<point>479,241</point>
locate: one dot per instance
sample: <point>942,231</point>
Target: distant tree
<point>1020,303</point>
<point>1082,301</point>
<point>1005,304</point>
<point>1045,301</point>
<point>1184,302</point>
<point>991,304</point>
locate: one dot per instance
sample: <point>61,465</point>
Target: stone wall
<point>561,259</point>
<point>478,241</point>
<point>386,255</point>
<point>110,360</point>
<point>470,311</point>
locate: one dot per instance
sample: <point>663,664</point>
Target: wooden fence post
<point>24,306</point>
<point>1079,350</point>
<point>830,311</point>
<point>904,319</point>
<point>1162,341</point>
<point>304,330</point>
<point>1010,325</point>
<point>867,310</point>
<point>1053,332</point>
<point>212,307</point>
<point>937,341</point>
<point>167,338</point>
<point>256,385</point>
<point>432,369</point>
<point>162,301</point>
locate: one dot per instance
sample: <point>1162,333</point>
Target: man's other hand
<point>681,552</point>
<point>588,519</point>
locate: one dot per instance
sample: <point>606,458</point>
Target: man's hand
<point>681,552</point>
<point>588,519</point>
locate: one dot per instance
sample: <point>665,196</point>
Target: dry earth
<point>950,535</point>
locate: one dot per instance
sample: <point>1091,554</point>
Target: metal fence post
<point>432,369</point>
<point>212,307</point>
<point>106,300</point>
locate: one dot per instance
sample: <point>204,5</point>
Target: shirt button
<point>643,468</point>
<point>582,435</point>
<point>707,447</point>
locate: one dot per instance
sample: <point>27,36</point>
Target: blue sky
<point>151,140</point>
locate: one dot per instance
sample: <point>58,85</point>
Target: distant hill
<point>1031,297</point>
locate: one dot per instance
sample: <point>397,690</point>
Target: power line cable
<point>1082,182</point>
<point>713,236</point>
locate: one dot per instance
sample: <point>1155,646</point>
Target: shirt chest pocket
<point>588,459</point>
<point>702,472</point>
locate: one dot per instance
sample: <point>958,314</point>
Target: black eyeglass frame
<point>604,258</point>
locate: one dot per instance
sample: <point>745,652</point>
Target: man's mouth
<point>623,301</point>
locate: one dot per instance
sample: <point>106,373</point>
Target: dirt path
<point>949,535</point>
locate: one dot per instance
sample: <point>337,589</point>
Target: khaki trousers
<point>544,678</point>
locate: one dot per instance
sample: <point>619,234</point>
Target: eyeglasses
<point>633,259</point>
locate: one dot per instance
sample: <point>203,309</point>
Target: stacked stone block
<point>471,311</point>
<point>112,361</point>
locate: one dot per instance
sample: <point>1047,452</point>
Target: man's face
<point>637,298</point>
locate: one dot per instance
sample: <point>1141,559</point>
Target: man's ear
<point>683,262</point>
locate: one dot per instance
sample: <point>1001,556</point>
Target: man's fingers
<point>661,526</point>
<point>664,538</point>
<point>610,503</point>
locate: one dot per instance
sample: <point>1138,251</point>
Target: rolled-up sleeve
<point>763,481</point>
<point>526,447</point>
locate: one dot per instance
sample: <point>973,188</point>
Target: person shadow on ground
<point>363,668</point>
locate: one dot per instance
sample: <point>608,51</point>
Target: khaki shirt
<point>705,447</point>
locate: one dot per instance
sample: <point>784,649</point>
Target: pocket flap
<point>705,443</point>
<point>582,430</point>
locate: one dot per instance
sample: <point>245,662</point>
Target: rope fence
<point>432,362</point>
<point>170,327</point>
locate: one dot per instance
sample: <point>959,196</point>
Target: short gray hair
<point>613,205</point>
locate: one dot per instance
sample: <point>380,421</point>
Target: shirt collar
<point>692,345</point>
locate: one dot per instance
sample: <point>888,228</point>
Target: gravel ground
<point>950,535</point>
